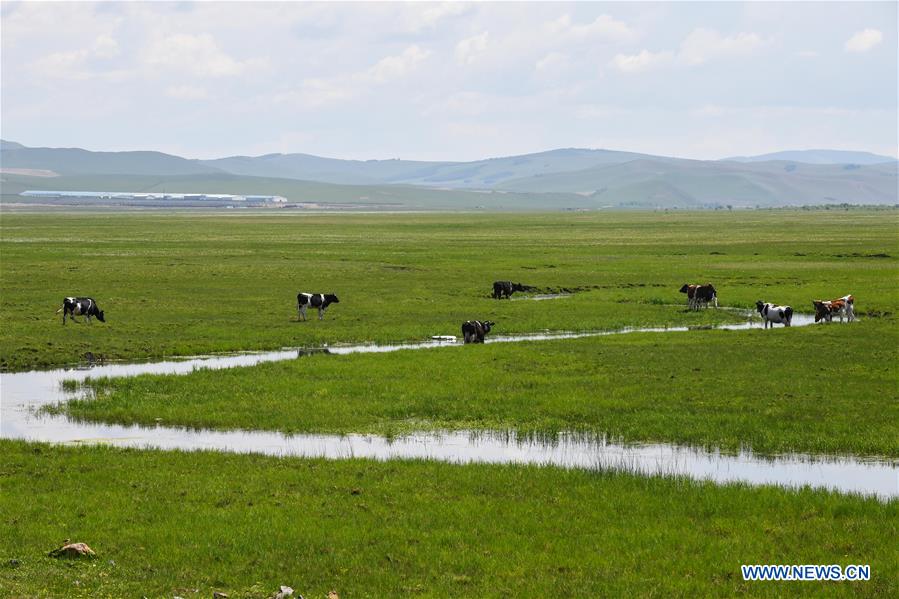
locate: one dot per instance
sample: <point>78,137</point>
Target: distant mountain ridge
<point>483,174</point>
<point>674,181</point>
<point>583,177</point>
<point>818,157</point>
<point>75,161</point>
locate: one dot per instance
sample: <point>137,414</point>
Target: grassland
<point>329,195</point>
<point>723,389</point>
<point>187,284</point>
<point>168,524</point>
<point>173,284</point>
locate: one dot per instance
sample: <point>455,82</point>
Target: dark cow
<point>772,313</point>
<point>315,300</point>
<point>80,306</point>
<point>823,310</point>
<point>505,289</point>
<point>700,295</point>
<point>690,290</point>
<point>474,331</point>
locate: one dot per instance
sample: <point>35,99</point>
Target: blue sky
<point>450,81</point>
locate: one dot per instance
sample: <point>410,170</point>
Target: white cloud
<point>318,92</point>
<point>643,61</point>
<point>197,54</point>
<point>600,111</point>
<point>324,64</point>
<point>709,110</point>
<point>700,46</point>
<point>862,41</point>
<point>462,103</point>
<point>469,50</point>
<point>553,61</point>
<point>73,64</point>
<point>604,27</point>
<point>61,64</point>
<point>394,67</point>
<point>703,45</point>
<point>315,93</point>
<point>186,92</point>
<point>105,47</point>
<point>30,22</point>
<point>426,15</point>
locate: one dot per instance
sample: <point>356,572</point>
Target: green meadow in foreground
<point>169,523</point>
<point>172,523</point>
<point>179,284</point>
<point>812,389</point>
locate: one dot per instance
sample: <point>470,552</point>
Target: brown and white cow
<point>700,295</point>
<point>844,306</point>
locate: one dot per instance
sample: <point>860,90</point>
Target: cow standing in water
<point>505,289</point>
<point>80,306</point>
<point>772,313</point>
<point>316,300</point>
<point>474,331</point>
<point>844,306</point>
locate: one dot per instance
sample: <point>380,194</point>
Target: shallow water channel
<point>22,395</point>
<point>539,297</point>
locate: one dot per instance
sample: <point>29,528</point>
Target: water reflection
<point>23,394</point>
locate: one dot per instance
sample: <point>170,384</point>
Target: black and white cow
<point>772,313</point>
<point>505,289</point>
<point>80,306</point>
<point>474,331</point>
<point>315,300</point>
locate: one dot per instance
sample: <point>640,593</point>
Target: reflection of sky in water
<point>22,393</point>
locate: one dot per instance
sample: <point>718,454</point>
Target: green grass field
<point>187,284</point>
<point>727,389</point>
<point>175,284</point>
<point>164,524</point>
<point>328,195</point>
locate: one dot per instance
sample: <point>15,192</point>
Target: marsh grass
<point>71,386</point>
<point>164,523</point>
<point>169,523</point>
<point>757,389</point>
<point>186,284</point>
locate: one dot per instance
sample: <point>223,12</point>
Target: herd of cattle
<point>702,295</point>
<point>474,331</point>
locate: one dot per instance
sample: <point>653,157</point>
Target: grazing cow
<point>844,306</point>
<point>699,295</point>
<point>80,306</point>
<point>772,313</point>
<point>505,289</point>
<point>474,331</point>
<point>316,300</point>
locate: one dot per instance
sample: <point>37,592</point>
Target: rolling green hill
<point>818,157</point>
<point>319,195</point>
<point>682,183</point>
<point>482,174</point>
<point>557,179</point>
<point>75,161</point>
